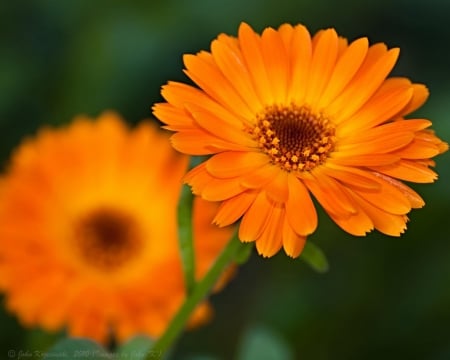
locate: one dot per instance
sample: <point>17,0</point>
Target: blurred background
<point>382,298</point>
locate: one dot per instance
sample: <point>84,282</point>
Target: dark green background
<point>383,298</point>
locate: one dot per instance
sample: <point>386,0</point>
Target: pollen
<point>294,137</point>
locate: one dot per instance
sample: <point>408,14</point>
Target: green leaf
<point>243,253</point>
<point>77,348</point>
<point>314,257</point>
<point>185,237</point>
<point>41,340</point>
<point>138,348</point>
<point>263,344</point>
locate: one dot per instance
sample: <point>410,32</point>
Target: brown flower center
<point>107,238</point>
<point>294,137</point>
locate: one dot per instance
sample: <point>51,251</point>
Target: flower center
<point>294,137</point>
<point>107,238</point>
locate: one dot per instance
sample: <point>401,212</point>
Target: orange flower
<point>288,116</point>
<point>88,230</point>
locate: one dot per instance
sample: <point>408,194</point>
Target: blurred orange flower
<point>88,230</point>
<point>287,115</point>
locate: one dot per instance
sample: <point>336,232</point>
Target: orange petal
<point>379,109</point>
<point>250,45</point>
<point>206,76</point>
<point>364,159</point>
<point>293,243</point>
<point>363,86</point>
<point>388,198</point>
<point>372,143</point>
<point>233,67</point>
<point>260,177</point>
<point>277,189</point>
<point>418,149</point>
<point>270,240</point>
<point>408,170</point>
<point>235,163</point>
<point>255,219</point>
<point>221,189</point>
<point>276,62</point>
<point>232,209</point>
<point>179,95</point>
<point>175,118</point>
<point>199,142</point>
<point>346,67</point>
<point>387,223</point>
<point>322,64</point>
<point>198,178</point>
<point>329,193</point>
<point>414,199</point>
<point>300,210</point>
<point>420,95</point>
<point>300,54</point>
<point>357,224</point>
<point>397,127</point>
<point>352,176</point>
<point>221,128</point>
<point>286,32</point>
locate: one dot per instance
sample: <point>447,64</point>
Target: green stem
<point>200,291</point>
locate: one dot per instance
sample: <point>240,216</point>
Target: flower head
<point>287,115</point>
<point>88,230</point>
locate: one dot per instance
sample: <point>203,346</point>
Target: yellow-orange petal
<point>178,95</point>
<point>373,143</point>
<point>408,170</point>
<point>329,193</point>
<point>269,242</point>
<point>260,177</point>
<point>357,224</point>
<point>220,128</point>
<point>255,219</point>
<point>352,176</point>
<point>323,61</point>
<point>275,58</point>
<point>396,127</point>
<point>232,209</point>
<point>199,142</point>
<point>364,160</point>
<point>293,243</point>
<point>420,96</point>
<point>277,189</point>
<point>198,178</point>
<point>232,65</point>
<point>414,199</point>
<point>418,149</point>
<point>286,32</point>
<point>366,82</point>
<point>300,211</point>
<point>379,109</point>
<point>385,222</point>
<point>235,163</point>
<point>346,67</point>
<point>250,45</point>
<point>177,119</point>
<point>221,189</point>
<point>205,74</point>
<point>301,54</point>
<point>388,197</point>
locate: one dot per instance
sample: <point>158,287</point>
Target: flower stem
<point>200,291</point>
